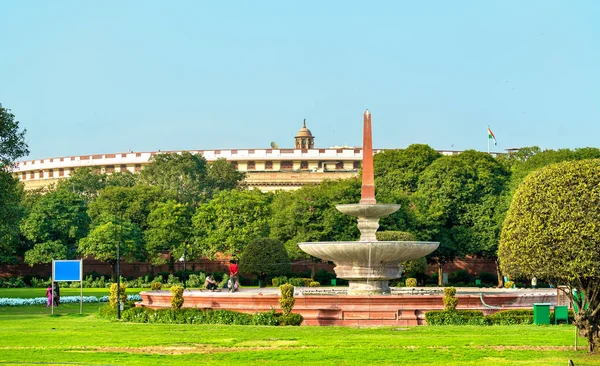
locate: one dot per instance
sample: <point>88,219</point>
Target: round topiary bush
<point>263,257</point>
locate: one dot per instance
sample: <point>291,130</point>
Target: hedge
<point>476,317</point>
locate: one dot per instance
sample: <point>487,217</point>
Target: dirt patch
<point>176,350</point>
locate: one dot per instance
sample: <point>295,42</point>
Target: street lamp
<point>119,267</point>
<point>182,259</point>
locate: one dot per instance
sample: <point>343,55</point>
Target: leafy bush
<point>314,284</point>
<point>199,316</point>
<point>450,300</point>
<point>155,286</point>
<point>177,298</point>
<point>278,281</point>
<point>196,280</point>
<point>265,256</point>
<point>291,319</point>
<point>411,282</point>
<point>286,301</point>
<point>323,276</point>
<point>460,277</point>
<point>511,317</point>
<point>509,284</point>
<point>453,317</point>
<point>113,295</point>
<point>487,278</point>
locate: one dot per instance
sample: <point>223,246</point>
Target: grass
<point>30,335</point>
<point>29,292</point>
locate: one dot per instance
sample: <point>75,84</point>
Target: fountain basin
<point>369,265</point>
<point>367,210</point>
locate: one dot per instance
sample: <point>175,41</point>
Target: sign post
<point>68,270</point>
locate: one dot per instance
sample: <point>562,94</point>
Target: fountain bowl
<point>374,210</point>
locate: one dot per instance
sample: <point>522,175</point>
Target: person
<point>56,293</point>
<point>210,283</point>
<point>233,275</point>
<point>49,295</point>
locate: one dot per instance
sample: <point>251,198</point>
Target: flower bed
<point>63,300</point>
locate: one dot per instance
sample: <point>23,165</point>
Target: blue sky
<point>90,77</point>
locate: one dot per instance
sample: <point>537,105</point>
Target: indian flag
<point>491,136</point>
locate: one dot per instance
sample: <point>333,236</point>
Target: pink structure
<point>368,179</point>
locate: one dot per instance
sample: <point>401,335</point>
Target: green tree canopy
<point>102,241</point>
<point>228,222</point>
<point>309,214</point>
<point>12,140</point>
<point>552,232</point>
<point>11,212</point>
<point>169,229</point>
<point>223,176</point>
<point>263,257</point>
<point>58,217</point>
<point>184,175</point>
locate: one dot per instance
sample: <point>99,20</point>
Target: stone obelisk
<point>368,180</point>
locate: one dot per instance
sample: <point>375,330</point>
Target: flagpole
<point>488,142</point>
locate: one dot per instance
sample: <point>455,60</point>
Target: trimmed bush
<point>509,284</point>
<point>453,317</point>
<point>314,284</point>
<point>155,286</point>
<point>177,298</point>
<point>286,301</point>
<point>112,297</point>
<point>450,300</point>
<point>198,316</point>
<point>411,282</point>
<point>511,317</point>
<point>291,319</point>
<point>265,256</point>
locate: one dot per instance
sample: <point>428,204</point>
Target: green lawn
<point>29,334</point>
<point>64,291</point>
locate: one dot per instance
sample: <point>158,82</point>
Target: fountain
<point>368,264</point>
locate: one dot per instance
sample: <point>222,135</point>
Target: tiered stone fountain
<point>368,264</point>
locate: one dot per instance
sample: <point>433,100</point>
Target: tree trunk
<point>499,273</point>
<point>113,272</point>
<point>313,269</point>
<point>440,274</point>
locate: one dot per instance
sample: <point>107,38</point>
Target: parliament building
<point>267,169</point>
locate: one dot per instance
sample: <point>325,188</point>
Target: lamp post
<point>119,267</point>
<point>183,259</point>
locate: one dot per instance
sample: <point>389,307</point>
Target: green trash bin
<point>334,282</point>
<point>541,313</point>
<point>477,282</point>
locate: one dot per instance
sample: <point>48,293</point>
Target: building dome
<point>304,139</point>
<point>304,132</point>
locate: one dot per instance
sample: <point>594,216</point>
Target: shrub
<point>314,284</point>
<point>291,319</point>
<point>266,318</point>
<point>509,284</point>
<point>460,277</point>
<point>453,317</point>
<point>265,256</point>
<point>112,297</point>
<point>177,298</point>
<point>286,301</point>
<point>278,281</point>
<point>323,276</point>
<point>196,280</point>
<point>511,317</point>
<point>411,282</point>
<point>450,300</point>
<point>158,278</point>
<point>488,278</point>
<point>155,286</point>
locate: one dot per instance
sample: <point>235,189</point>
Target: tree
<point>11,212</point>
<point>223,176</point>
<point>453,200</point>
<point>309,214</point>
<point>169,229</point>
<point>102,241</point>
<point>414,267</point>
<point>134,204</point>
<point>12,140</point>
<point>57,219</point>
<point>228,222</point>
<point>185,175</point>
<point>86,182</point>
<point>265,256</point>
<point>552,232</point>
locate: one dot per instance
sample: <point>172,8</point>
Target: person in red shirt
<point>233,275</point>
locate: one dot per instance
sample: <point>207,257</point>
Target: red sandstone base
<point>345,310</point>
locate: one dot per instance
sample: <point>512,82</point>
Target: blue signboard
<point>65,270</point>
